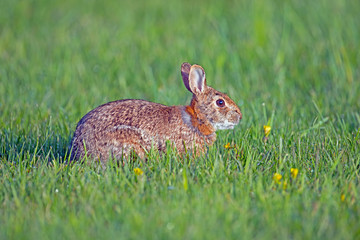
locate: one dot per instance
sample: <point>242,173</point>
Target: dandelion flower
<point>267,130</point>
<point>342,197</point>
<point>294,172</point>
<point>227,146</point>
<point>138,171</point>
<point>277,177</point>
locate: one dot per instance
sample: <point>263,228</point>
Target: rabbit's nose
<point>237,110</point>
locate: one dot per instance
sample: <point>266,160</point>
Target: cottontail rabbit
<point>117,128</point>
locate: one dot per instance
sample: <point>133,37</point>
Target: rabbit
<point>116,129</point>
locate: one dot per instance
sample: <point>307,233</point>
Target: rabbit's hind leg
<point>122,140</point>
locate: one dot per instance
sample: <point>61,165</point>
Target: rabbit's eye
<point>220,102</point>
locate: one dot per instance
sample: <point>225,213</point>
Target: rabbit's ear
<point>197,80</point>
<point>185,70</point>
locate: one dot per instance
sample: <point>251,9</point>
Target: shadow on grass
<point>16,147</point>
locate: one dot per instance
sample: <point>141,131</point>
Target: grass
<point>293,65</point>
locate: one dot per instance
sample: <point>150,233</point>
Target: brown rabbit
<point>117,128</point>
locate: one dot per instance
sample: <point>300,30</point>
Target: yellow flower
<point>227,146</point>
<point>277,177</point>
<point>267,130</point>
<point>342,197</point>
<point>294,172</point>
<point>138,171</point>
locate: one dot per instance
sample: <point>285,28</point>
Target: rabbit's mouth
<point>228,123</point>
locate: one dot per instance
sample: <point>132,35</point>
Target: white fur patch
<point>186,117</point>
<point>143,133</point>
<point>224,125</point>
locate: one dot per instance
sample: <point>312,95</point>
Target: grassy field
<point>292,65</point>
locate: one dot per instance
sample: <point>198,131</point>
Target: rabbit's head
<point>211,108</point>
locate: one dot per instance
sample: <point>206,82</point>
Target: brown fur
<point>117,128</point>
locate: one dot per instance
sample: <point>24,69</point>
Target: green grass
<point>292,64</point>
